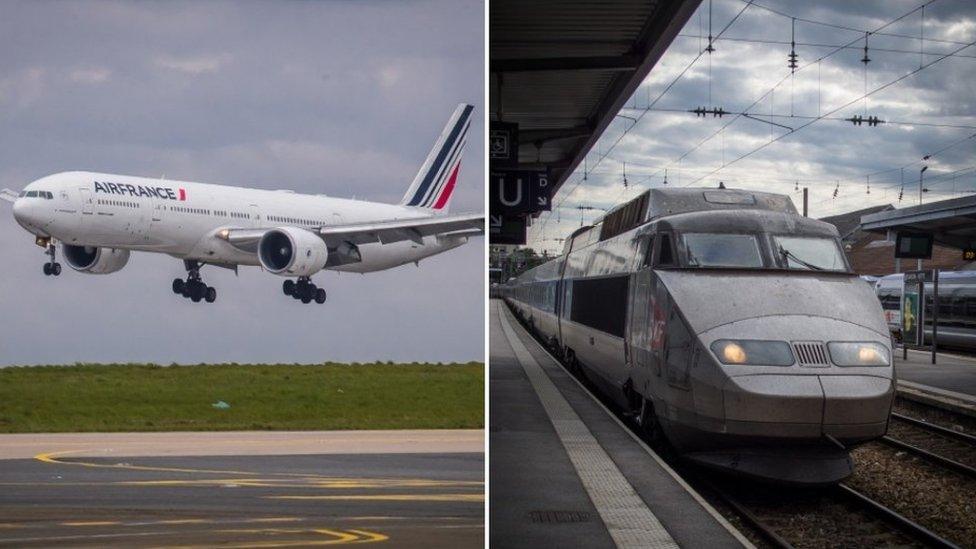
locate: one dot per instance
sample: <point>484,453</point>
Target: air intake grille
<point>811,354</point>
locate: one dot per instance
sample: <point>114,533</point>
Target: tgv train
<point>726,322</point>
<point>957,307</point>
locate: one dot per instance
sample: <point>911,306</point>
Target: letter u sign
<point>504,191</point>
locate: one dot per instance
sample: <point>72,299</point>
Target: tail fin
<point>434,184</point>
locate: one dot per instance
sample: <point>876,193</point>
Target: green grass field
<point>134,397</point>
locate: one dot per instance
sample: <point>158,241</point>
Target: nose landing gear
<point>51,268</point>
<point>304,290</point>
<point>193,287</point>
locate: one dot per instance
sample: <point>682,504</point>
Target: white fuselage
<point>182,218</point>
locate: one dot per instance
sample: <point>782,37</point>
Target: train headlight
<point>867,353</point>
<point>753,352</point>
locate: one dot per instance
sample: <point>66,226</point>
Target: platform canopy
<point>563,69</point>
<point>951,222</point>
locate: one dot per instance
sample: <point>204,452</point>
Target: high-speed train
<point>957,307</point>
<point>726,322</point>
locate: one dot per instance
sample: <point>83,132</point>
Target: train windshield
<point>722,250</point>
<point>809,253</point>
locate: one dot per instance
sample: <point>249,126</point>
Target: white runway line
<point>626,516</point>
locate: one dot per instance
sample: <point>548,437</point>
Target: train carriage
<point>727,323</point>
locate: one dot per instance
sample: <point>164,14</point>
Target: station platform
<point>951,372</point>
<point>565,472</point>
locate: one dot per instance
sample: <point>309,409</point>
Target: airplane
<point>97,219</point>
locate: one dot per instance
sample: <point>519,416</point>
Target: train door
<point>640,324</point>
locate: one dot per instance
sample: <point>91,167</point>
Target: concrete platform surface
<point>566,473</point>
<point>951,372</point>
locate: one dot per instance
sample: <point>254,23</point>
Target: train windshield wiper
<point>790,255</point>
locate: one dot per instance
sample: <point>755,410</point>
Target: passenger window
<point>665,255</point>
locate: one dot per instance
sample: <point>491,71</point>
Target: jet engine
<point>289,251</point>
<point>92,260</point>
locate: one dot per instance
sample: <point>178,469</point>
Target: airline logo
<point>166,193</point>
<point>440,179</point>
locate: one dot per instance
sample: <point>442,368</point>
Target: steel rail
<point>934,428</point>
<point>909,526</point>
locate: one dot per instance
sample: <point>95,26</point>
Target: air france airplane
<point>97,219</point>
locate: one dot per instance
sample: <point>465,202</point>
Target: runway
<point>388,493</point>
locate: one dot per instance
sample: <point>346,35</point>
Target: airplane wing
<point>388,232</point>
<point>384,232</point>
<point>8,196</point>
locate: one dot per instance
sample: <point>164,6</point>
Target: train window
<point>600,303</point>
<point>820,254</point>
<point>722,250</point>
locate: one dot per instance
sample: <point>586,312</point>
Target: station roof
<point>952,222</point>
<point>563,69</point>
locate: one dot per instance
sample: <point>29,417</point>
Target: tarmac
<point>244,489</point>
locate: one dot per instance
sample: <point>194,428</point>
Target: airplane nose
<point>20,210</point>
<point>25,213</point>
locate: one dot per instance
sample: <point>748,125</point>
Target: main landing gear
<point>304,290</point>
<point>51,268</point>
<point>193,288</point>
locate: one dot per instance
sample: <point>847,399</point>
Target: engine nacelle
<point>92,260</point>
<point>288,251</point>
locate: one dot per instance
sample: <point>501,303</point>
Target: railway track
<point>939,445</point>
<point>809,518</point>
<point>838,516</point>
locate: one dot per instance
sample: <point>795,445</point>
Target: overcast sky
<point>342,98</point>
<point>826,155</point>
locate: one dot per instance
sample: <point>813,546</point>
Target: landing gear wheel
<point>320,296</point>
<point>306,298</point>
<point>288,287</point>
<point>52,267</point>
<point>211,294</point>
<point>199,289</point>
<point>178,285</point>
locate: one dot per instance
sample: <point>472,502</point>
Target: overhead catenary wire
<point>754,3</point>
<point>835,110</point>
<point>780,82</point>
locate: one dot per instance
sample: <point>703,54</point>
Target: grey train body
<point>641,315</point>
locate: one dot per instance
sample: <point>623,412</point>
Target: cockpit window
<point>722,250</point>
<point>809,253</point>
<point>31,194</point>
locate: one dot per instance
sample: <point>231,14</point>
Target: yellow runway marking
<point>392,497</point>
<point>339,537</point>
